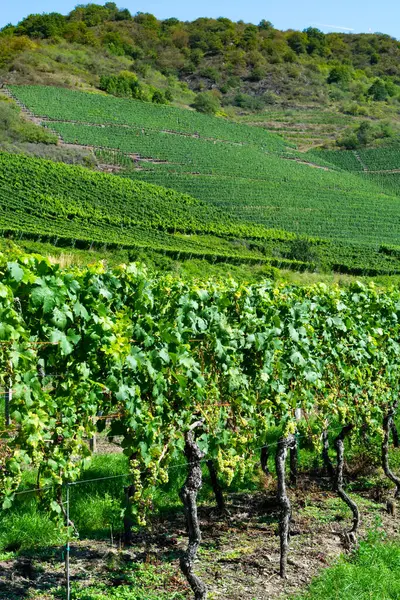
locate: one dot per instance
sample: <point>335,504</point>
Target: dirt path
<point>309,164</point>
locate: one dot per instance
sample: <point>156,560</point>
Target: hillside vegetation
<point>246,172</point>
<point>242,69</point>
<point>234,185</point>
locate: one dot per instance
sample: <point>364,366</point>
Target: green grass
<point>371,573</point>
<point>140,582</point>
<point>27,527</point>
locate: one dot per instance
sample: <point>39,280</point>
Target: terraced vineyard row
<point>306,128</point>
<point>69,105</point>
<point>270,192</point>
<point>344,159</point>
<point>388,182</point>
<point>370,159</point>
<point>243,189</point>
<point>74,206</point>
<point>194,154</point>
<point>297,198</point>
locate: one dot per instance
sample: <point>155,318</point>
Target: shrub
<point>158,98</point>
<point>378,91</point>
<point>207,102</point>
<point>348,141</point>
<point>340,75</point>
<point>302,250</point>
<point>125,84</point>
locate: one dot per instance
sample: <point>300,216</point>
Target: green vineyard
<point>363,160</point>
<point>246,183</point>
<point>189,372</point>
<point>68,105</point>
<point>199,306</point>
<point>72,206</point>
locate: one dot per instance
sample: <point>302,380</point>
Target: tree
<point>91,14</point>
<point>339,74</point>
<point>42,26</point>
<point>265,25</point>
<point>207,102</point>
<point>298,42</point>
<point>316,41</point>
<point>378,91</point>
<point>126,84</point>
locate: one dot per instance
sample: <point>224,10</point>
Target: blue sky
<point>357,15</point>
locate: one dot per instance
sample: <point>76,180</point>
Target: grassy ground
<point>239,555</point>
<point>194,268</point>
<point>371,573</point>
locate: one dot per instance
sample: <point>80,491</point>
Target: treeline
<point>243,63</point>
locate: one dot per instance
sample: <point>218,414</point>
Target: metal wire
<point>170,468</point>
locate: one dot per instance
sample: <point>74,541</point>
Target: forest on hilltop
<point>244,65</point>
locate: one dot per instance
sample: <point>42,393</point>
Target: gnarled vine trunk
<point>395,435</point>
<point>387,428</point>
<point>188,495</point>
<point>294,462</point>
<point>264,456</point>
<point>325,455</point>
<point>338,482</point>
<point>129,492</point>
<point>283,500</point>
<point>219,496</point>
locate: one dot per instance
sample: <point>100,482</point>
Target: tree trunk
<point>188,495</point>
<point>219,496</point>
<point>325,455</point>
<point>387,428</point>
<point>264,459</point>
<point>338,482</point>
<point>283,500</point>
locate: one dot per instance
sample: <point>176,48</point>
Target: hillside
<point>243,194</point>
<point>232,183</point>
<point>313,87</point>
<point>199,308</point>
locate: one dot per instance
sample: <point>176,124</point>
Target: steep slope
<point>250,178</point>
<point>249,186</point>
<point>73,206</point>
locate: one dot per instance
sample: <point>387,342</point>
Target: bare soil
<point>239,557</point>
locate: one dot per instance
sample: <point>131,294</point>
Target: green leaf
<point>293,333</point>
<point>43,296</point>
<point>7,502</point>
<point>80,311</point>
<point>59,318</point>
<point>55,507</point>
<point>163,354</point>
<point>59,337</point>
<point>16,271</point>
<point>311,376</point>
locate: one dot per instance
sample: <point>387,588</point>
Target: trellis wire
<point>68,486</point>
